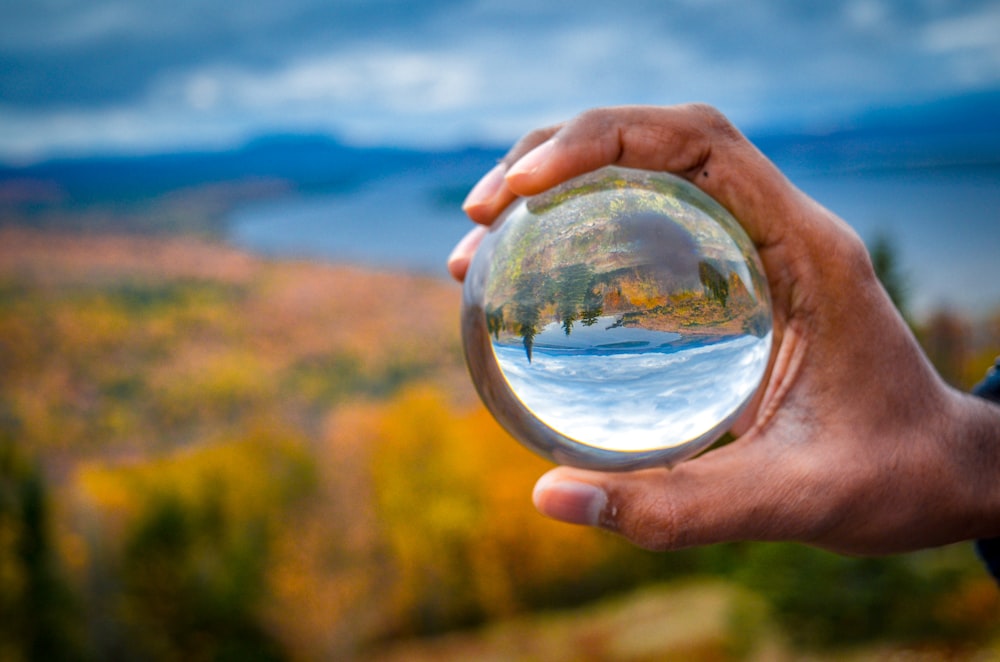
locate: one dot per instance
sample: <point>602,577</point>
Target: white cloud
<point>865,14</point>
<point>971,43</point>
<point>408,82</point>
<point>975,31</point>
<point>488,70</point>
<point>27,137</point>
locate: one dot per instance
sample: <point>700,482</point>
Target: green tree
<point>40,617</point>
<point>192,581</point>
<point>825,600</point>
<point>886,263</point>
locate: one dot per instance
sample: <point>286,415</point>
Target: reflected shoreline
<point>656,345</point>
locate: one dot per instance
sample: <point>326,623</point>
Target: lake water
<point>944,224</point>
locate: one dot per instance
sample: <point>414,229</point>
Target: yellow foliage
<point>93,324</point>
<point>452,492</point>
<point>217,382</point>
<point>257,475</point>
<point>643,294</point>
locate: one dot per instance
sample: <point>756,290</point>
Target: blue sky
<point>136,75</point>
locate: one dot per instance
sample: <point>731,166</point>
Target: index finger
<point>693,141</point>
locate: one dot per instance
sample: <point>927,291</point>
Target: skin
<point>853,443</point>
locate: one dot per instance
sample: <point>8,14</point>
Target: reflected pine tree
<point>528,300</point>
<point>573,285</point>
<point>567,322</point>
<point>593,306</point>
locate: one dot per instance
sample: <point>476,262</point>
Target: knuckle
<point>595,117</point>
<point>713,119</point>
<point>852,256</point>
<point>596,124</point>
<point>528,142</point>
<point>855,251</point>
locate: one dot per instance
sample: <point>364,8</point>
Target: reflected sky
<point>638,400</point>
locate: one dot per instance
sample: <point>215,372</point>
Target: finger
<point>712,499</point>
<point>461,255</point>
<point>693,141</point>
<point>491,195</point>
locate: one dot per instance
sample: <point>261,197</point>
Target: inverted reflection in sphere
<point>620,320</point>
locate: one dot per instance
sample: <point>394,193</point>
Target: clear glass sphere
<point>618,321</point>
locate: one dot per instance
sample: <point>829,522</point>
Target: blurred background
<point>234,418</point>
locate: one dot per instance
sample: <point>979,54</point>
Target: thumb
<point>715,498</point>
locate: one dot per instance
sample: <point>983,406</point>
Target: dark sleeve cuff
<point>989,549</point>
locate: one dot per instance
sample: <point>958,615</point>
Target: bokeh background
<point>234,418</point>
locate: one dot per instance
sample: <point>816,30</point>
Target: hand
<point>853,442</point>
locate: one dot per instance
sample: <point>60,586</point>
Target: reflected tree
<point>494,322</point>
<point>572,286</point>
<point>528,333</point>
<point>716,285</point>
<point>574,291</point>
<point>567,322</point>
<point>593,307</point>
<point>526,309</point>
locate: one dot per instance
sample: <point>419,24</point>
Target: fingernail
<point>531,161</point>
<point>486,188</point>
<point>569,501</point>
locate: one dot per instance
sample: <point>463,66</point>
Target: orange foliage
<point>53,257</point>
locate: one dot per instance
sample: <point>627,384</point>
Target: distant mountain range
<point>308,163</point>
<point>957,131</point>
<point>950,132</point>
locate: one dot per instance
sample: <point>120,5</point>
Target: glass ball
<point>618,321</point>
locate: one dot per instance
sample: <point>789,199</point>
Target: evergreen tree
<point>39,619</point>
<point>886,263</point>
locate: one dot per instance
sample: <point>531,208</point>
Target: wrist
<point>976,433</point>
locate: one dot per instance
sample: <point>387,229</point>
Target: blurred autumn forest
<point>209,455</point>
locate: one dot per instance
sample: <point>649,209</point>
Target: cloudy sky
<point>127,75</point>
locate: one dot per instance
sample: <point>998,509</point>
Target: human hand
<point>853,442</point>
